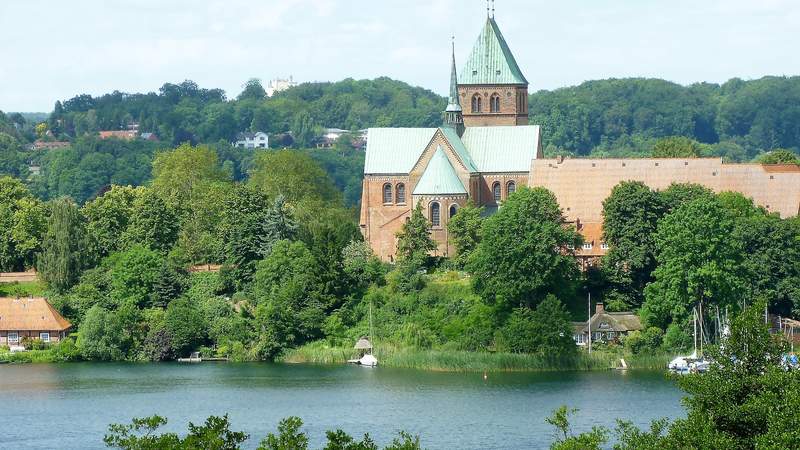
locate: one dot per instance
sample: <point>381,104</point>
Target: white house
<point>259,139</point>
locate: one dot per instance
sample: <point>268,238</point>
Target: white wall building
<point>259,139</point>
<point>279,84</point>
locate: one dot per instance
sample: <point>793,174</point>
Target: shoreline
<point>431,360</point>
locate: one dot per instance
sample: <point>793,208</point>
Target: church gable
<point>439,177</point>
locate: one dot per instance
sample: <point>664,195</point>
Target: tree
<point>186,326</point>
<point>745,400</point>
<point>105,335</point>
<point>11,160</point>
<point>698,262</point>
<point>546,330</point>
<point>630,218</point>
<point>252,90</point>
<point>181,175</point>
<point>679,193</point>
<point>155,224</point>
<point>295,176</point>
<point>62,259</point>
<point>525,251</point>
<point>565,440</point>
<point>414,238</point>
<point>134,274</point>
<point>465,232</point>
<point>214,434</point>
<point>244,234</point>
<point>304,129</point>
<point>779,156</point>
<point>676,147</point>
<point>107,218</point>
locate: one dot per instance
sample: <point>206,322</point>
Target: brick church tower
<point>492,88</point>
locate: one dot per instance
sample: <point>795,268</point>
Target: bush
<point>676,338</point>
<point>644,341</point>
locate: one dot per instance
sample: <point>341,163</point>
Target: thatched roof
<point>363,344</point>
<point>30,314</point>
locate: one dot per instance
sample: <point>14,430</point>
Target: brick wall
<point>513,105</point>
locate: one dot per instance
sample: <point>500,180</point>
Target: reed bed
<point>462,361</point>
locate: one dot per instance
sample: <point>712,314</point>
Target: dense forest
<point>738,120</point>
<point>624,117</point>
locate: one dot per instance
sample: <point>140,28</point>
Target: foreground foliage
<point>215,434</point>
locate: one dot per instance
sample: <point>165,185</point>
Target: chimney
<point>599,309</point>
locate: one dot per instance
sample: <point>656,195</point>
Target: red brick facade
<point>497,105</point>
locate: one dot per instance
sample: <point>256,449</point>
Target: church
<point>485,149</point>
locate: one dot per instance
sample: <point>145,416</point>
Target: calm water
<point>69,406</point>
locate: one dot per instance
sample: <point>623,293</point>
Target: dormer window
<point>587,246</point>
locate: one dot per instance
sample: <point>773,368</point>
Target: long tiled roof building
<point>486,148</point>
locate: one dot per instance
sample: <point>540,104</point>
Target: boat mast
<point>694,334</point>
<point>371,336</point>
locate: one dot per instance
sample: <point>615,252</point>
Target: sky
<point>51,50</point>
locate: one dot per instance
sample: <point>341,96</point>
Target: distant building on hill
<point>606,326</point>
<point>48,145</point>
<point>126,135</point>
<point>31,317</point>
<point>149,137</point>
<point>278,85</point>
<point>246,139</point>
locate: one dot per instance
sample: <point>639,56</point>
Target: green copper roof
<point>491,61</point>
<point>458,145</point>
<point>439,177</point>
<point>453,104</point>
<point>395,150</point>
<point>502,149</point>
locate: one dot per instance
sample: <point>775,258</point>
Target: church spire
<point>452,115</point>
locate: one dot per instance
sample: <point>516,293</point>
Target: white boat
<point>684,365</point>
<point>364,346</point>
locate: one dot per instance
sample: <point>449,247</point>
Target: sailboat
<point>692,363</point>
<point>365,345</point>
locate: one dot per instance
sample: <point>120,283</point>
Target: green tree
<point>546,330</point>
<point>566,440</point>
<point>414,238</point>
<point>698,262</point>
<point>465,232</point>
<point>524,252</point>
<point>107,218</point>
<point>252,90</point>
<point>186,326</point>
<point>62,258</point>
<point>294,175</point>
<point>106,335</point>
<point>304,129</point>
<point>11,156</point>
<point>214,434</point>
<point>779,156</point>
<point>133,275</point>
<point>630,217</point>
<point>676,147</point>
<point>155,224</point>
<point>746,400</point>
<point>181,175</point>
<point>679,193</point>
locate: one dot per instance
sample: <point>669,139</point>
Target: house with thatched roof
<point>606,326</point>
<point>30,317</point>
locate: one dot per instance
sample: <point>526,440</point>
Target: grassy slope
<point>22,289</point>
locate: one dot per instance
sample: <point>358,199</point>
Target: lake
<point>69,406</point>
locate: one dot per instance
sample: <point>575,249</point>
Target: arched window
<point>400,193</point>
<point>476,103</point>
<point>435,216</point>
<point>453,210</point>
<point>511,187</point>
<point>494,103</point>
<point>387,193</point>
<point>496,191</point>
